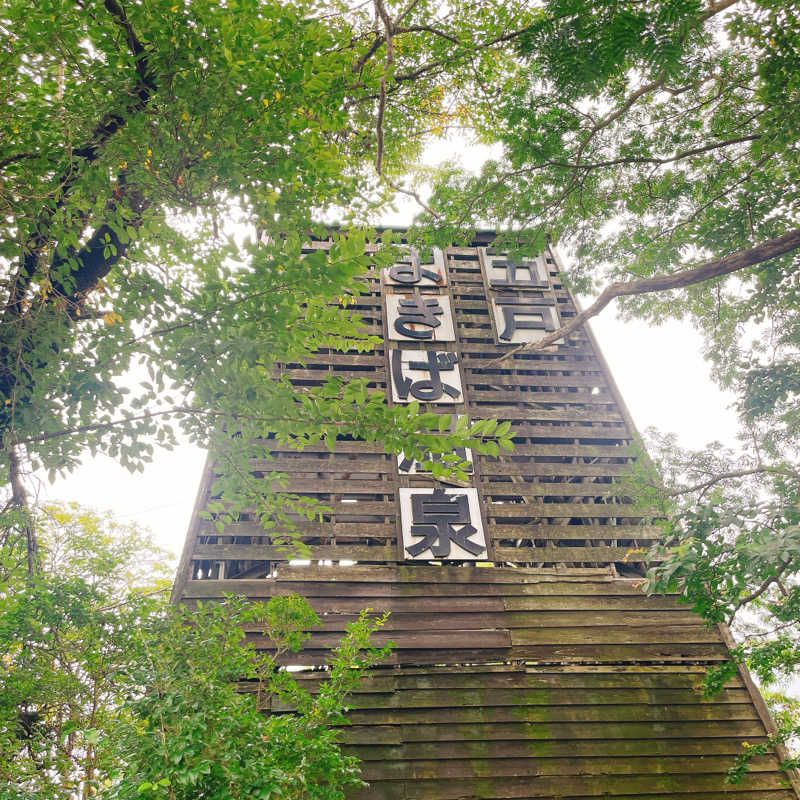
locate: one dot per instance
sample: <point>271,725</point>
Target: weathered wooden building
<point>527,663</point>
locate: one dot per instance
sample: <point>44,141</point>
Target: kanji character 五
<point>512,279</point>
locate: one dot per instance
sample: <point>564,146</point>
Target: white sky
<point>659,371</point>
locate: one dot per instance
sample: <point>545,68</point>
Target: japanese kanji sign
<point>421,318</point>
<point>521,319</point>
<point>429,376</point>
<point>442,524</point>
<point>410,466</point>
<point>411,271</point>
<point>505,272</point>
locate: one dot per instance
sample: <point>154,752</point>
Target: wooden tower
<point>527,664</point>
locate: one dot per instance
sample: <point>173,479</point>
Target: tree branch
<point>4,162</point>
<point>654,159</point>
<point>756,593</point>
<point>739,473</point>
<point>19,500</point>
<point>715,268</point>
<point>188,410</point>
<point>142,91</point>
<point>426,29</point>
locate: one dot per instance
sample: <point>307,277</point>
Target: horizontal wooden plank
<point>588,397</point>
<point>568,450</point>
<point>706,653</point>
<point>423,617</point>
<point>589,604</point>
<point>521,638</point>
<point>547,697</point>
<point>344,597</point>
<point>539,377</point>
<point>374,358</point>
<point>557,599</point>
<point>636,712</point>
<point>490,470</point>
<point>587,510</point>
<point>566,358</point>
<point>566,768</point>
<point>591,581</point>
<point>377,483</point>
<point>552,596</point>
<point>687,678</point>
<point>259,552</point>
<point>622,786</point>
<point>481,345</point>
<point>544,750</point>
<point>374,530</point>
<point>326,462</point>
<point>376,372</point>
<point>536,488</point>
<point>549,731</point>
<point>585,432</point>
<point>567,555</point>
<point>586,532</point>
<point>414,640</point>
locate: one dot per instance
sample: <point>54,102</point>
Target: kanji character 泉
<point>536,279</point>
<point>418,310</point>
<point>425,390</point>
<point>409,271</point>
<point>540,308</point>
<point>434,517</point>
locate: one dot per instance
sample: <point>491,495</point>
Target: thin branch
<point>407,10</point>
<point>716,8</point>
<point>739,473</point>
<point>381,11</point>
<point>654,159</point>
<point>368,53</point>
<point>4,162</point>
<point>189,410</point>
<point>19,500</point>
<point>426,29</point>
<point>715,268</point>
<point>756,593</point>
<point>411,193</point>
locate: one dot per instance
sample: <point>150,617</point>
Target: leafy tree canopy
<point>135,135</point>
<point>106,691</point>
<point>656,141</point>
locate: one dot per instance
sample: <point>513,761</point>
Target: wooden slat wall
<point>541,673</point>
<point>514,731</point>
<point>481,614</point>
<point>549,502</point>
<point>527,683</point>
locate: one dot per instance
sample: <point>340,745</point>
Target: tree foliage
<point>655,141</point>
<point>106,691</point>
<point>161,164</point>
<point>731,549</point>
